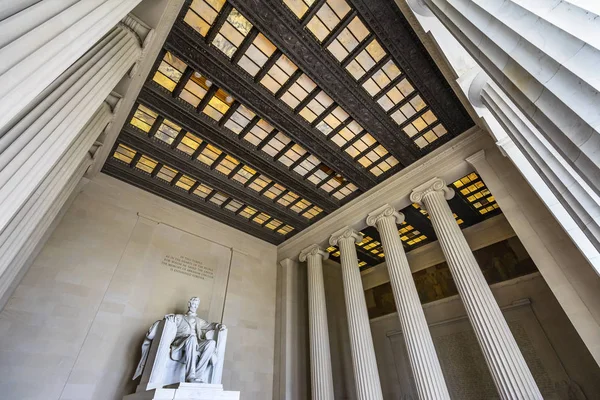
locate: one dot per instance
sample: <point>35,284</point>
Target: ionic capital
<point>313,250</point>
<point>345,233</point>
<point>434,185</point>
<point>385,211</point>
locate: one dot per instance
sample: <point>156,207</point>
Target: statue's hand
<point>222,327</point>
<point>170,317</point>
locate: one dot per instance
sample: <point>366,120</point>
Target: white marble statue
<point>189,349</point>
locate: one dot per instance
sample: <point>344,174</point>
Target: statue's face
<point>194,306</point>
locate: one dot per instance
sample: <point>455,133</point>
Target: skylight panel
<point>316,106</point>
<point>189,143</point>
<point>345,191</point>
<point>382,78</point>
<point>195,89</point>
<point>240,119</point>
<point>307,165</point>
<point>202,14</point>
<point>261,218</point>
<point>259,132</point>
<point>327,18</point>
<point>312,212</point>
<point>124,153</point>
<point>227,165</point>
<point>146,164</point>
<point>298,91</point>
<point>185,182</point>
<point>332,120</point>
<point>203,191</point>
<point>232,33</point>
<point>474,190</point>
<point>257,54</point>
<point>260,183</point>
<point>274,191</point>
<point>234,205</point>
<point>244,174</point>
<point>348,39</point>
<point>218,198</point>
<point>366,60</point>
<point>218,105</point>
<point>166,173</point>
<point>279,74</point>
<point>347,133</point>
<point>276,144</point>
<point>383,165</point>
<point>408,109</point>
<point>395,95</point>
<point>167,131</point>
<point>287,199</point>
<point>299,7</point>
<point>292,155</point>
<point>285,230</point>
<point>143,118</point>
<point>248,212</point>
<point>273,224</point>
<point>209,155</point>
<point>169,71</point>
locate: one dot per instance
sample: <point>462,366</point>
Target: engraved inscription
<point>188,266</point>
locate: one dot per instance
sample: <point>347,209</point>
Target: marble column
<point>320,357</point>
<point>544,56</point>
<point>573,192</point>
<point>30,222</point>
<point>509,371</point>
<point>366,374</point>
<point>424,362</point>
<point>36,141</point>
<point>41,39</point>
<point>41,149</point>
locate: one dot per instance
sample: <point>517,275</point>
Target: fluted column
<point>509,371</point>
<point>366,374</point>
<point>544,56</point>
<point>40,39</point>
<point>424,362</point>
<point>35,143</point>
<point>320,357</point>
<point>28,225</point>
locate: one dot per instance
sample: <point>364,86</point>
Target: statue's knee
<point>212,344</point>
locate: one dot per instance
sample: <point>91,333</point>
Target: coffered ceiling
<point>267,115</point>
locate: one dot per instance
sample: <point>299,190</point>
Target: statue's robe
<point>193,345</point>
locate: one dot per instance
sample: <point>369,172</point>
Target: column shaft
<point>35,143</point>
<point>537,52</point>
<point>509,371</point>
<point>38,42</point>
<point>424,362</point>
<point>320,358</point>
<point>27,224</point>
<point>364,364</point>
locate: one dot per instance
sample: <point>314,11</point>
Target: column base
<point>187,391</point>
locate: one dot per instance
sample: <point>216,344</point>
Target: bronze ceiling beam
<point>282,27</point>
<point>395,34</point>
<point>157,98</point>
<point>135,139</point>
<point>191,48</point>
<point>195,203</point>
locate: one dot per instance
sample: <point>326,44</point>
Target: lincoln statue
<point>193,348</point>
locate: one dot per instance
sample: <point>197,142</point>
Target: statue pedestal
<point>187,391</point>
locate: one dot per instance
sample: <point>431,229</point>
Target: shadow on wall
<point>499,262</point>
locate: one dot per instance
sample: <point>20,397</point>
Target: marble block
<point>186,391</point>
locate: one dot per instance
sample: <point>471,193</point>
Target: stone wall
<point>561,364</point>
<point>74,325</point>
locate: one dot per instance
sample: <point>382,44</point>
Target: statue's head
<point>193,304</point>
